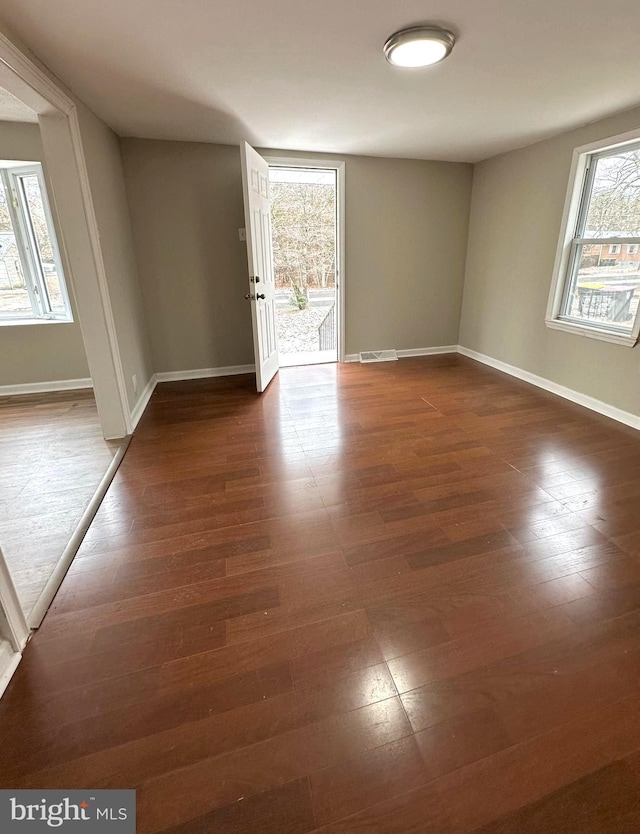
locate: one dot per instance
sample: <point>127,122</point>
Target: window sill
<point>591,333</point>
<point>29,322</point>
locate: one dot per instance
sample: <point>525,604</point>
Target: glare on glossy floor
<point>383,598</point>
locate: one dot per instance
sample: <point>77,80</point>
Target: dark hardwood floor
<point>52,459</point>
<point>401,598</point>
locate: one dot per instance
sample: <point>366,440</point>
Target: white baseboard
<point>142,403</point>
<point>592,403</point>
<point>405,354</point>
<point>204,373</point>
<point>45,387</point>
<point>180,376</point>
<point>429,351</point>
<point>9,660</point>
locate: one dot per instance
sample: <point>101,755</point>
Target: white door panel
<point>261,295</point>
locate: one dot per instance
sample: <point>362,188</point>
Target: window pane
<point>605,288</point>
<point>614,208</point>
<point>14,298</point>
<point>33,196</point>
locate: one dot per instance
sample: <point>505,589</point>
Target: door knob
<point>261,295</point>
<point>255,280</point>
<point>248,296</point>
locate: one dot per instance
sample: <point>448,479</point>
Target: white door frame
<point>81,254</point>
<point>339,167</point>
<point>14,631</point>
<point>79,239</point>
<point>13,624</point>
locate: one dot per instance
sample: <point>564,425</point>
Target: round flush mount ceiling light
<point>419,46</point>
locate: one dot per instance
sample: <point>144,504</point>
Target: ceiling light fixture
<point>419,46</point>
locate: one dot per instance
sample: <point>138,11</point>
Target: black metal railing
<point>327,330</point>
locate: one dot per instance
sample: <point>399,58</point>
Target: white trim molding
<point>181,376</point>
<point>591,403</point>
<point>9,660</point>
<point>45,387</point>
<point>138,410</point>
<point>103,284</point>
<point>204,373</point>
<point>79,238</point>
<point>13,624</point>
<point>429,351</point>
<point>409,352</point>
<point>615,338</point>
<point>42,91</point>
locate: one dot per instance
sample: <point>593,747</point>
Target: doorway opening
<point>36,304</point>
<point>306,241</point>
<point>54,460</point>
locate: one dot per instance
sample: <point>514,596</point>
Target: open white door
<point>261,295</point>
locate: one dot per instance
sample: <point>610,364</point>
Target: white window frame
<point>580,181</point>
<point>28,252</point>
<point>614,248</point>
<point>632,248</point>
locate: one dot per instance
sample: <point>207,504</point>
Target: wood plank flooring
<point>52,459</point>
<point>386,598</point>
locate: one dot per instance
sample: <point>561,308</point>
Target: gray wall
<point>106,181</point>
<point>185,202</point>
<point>406,224</point>
<point>37,352</point>
<point>406,230</point>
<point>516,212</point>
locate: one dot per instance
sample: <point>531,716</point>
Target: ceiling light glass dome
<point>419,46</point>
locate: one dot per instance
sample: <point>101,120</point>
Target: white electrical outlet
<point>134,380</point>
<point>242,234</point>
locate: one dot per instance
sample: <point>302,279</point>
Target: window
<point>596,292</point>
<point>32,284</point>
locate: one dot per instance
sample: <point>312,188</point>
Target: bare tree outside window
<point>304,246</point>
<point>303,215</point>
<point>615,198</point>
<point>605,279</point>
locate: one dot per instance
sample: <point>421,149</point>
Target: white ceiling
<point>311,76</point>
<point>13,110</point>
